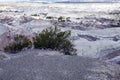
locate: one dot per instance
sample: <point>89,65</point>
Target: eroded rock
<point>37,67</point>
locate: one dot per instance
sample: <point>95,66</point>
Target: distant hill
<point>62,1</point>
<point>87,1</point>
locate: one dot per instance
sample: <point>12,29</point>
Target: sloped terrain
<point>34,66</point>
<point>95,34</point>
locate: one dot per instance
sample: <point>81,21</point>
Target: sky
<point>60,0</point>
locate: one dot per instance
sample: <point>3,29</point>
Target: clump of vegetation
<point>49,17</point>
<point>34,15</point>
<point>19,43</point>
<point>68,19</point>
<point>50,38</point>
<point>55,39</point>
<point>61,19</point>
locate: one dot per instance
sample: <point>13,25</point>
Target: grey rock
<point>88,37</point>
<point>33,67</point>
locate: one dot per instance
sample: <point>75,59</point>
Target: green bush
<point>61,19</point>
<point>19,43</point>
<point>54,38</point>
<point>49,17</point>
<point>34,15</point>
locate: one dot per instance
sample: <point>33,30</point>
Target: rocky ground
<point>33,65</point>
<point>95,35</point>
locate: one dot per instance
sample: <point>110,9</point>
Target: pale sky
<point>55,0</point>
